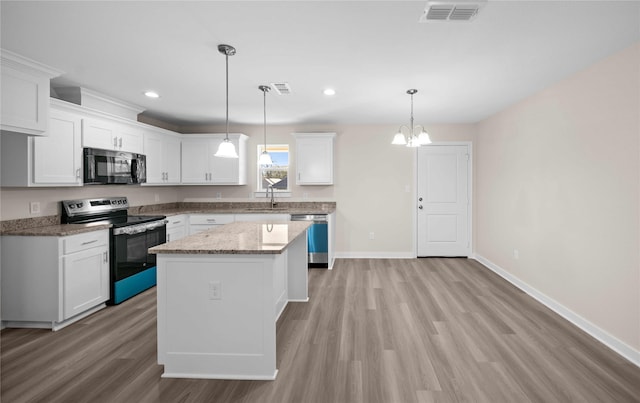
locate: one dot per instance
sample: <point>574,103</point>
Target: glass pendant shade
<point>424,138</point>
<point>399,139</point>
<point>226,150</point>
<point>265,159</point>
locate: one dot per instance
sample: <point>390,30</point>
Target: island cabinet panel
<point>236,328</point>
<point>220,294</point>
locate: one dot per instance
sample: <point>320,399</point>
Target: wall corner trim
<point>618,346</point>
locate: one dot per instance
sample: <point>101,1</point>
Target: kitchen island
<point>220,293</point>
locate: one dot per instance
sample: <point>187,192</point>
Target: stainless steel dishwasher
<point>317,239</point>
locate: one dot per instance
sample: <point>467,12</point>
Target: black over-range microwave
<point>104,167</point>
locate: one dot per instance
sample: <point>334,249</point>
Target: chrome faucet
<point>273,201</point>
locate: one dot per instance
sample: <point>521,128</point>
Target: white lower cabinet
<point>203,222</point>
<point>50,282</point>
<point>85,280</point>
<point>262,217</point>
<point>176,227</point>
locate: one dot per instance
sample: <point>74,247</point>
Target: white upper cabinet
<point>201,167</point>
<point>111,135</point>
<point>314,158</point>
<point>163,157</point>
<point>51,160</point>
<point>25,94</point>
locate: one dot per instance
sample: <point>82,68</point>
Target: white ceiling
<point>371,52</point>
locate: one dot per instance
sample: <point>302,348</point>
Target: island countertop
<point>259,237</point>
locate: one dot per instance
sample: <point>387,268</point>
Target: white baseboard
<point>374,255</point>
<point>594,331</point>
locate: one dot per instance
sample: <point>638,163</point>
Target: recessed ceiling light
<point>152,94</point>
<point>329,91</point>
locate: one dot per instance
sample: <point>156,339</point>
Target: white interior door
<point>444,200</point>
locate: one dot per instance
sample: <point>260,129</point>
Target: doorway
<point>444,200</point>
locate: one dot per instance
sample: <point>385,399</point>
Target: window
<point>276,174</point>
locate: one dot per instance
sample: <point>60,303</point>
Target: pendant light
<point>417,135</point>
<point>226,148</point>
<point>265,158</point>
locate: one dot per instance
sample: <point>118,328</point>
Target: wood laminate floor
<point>415,330</point>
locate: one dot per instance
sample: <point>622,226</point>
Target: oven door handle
<point>137,229</point>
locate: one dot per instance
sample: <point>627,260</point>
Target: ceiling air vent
<point>443,11</point>
<point>281,88</point>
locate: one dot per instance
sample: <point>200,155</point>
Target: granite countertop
<point>58,230</point>
<point>50,225</point>
<point>259,237</point>
<point>241,208</point>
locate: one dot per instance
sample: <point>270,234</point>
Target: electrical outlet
<point>372,235</point>
<point>215,290</point>
<point>34,207</point>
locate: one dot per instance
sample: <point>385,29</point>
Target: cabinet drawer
<point>176,221</point>
<point>198,219</point>
<point>76,243</point>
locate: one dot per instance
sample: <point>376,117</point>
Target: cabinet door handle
<point>115,142</point>
<point>78,173</point>
<point>89,242</point>
<point>105,256</point>
<point>211,220</point>
<point>168,237</point>
<point>120,142</point>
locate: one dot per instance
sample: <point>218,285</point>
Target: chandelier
<point>416,134</point>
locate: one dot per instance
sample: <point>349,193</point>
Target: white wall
<point>370,180</point>
<point>558,179</point>
<point>369,184</point>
